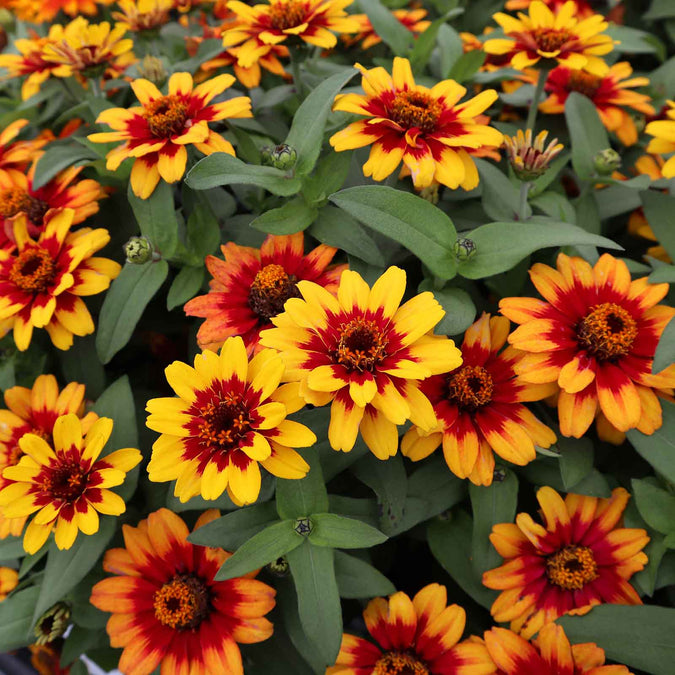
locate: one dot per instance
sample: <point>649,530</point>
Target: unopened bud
<point>152,68</point>
<point>139,250</point>
<point>531,158</point>
<point>266,155</point>
<point>430,193</point>
<point>52,624</point>
<point>279,568</point>
<point>303,526</point>
<point>498,475</point>
<point>464,249</point>
<point>606,161</point>
<point>284,157</point>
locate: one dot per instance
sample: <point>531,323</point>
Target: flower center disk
<point>572,567</point>
<point>415,109</point>
<point>66,481</point>
<point>225,422</point>
<point>16,200</point>
<point>585,83</point>
<point>285,15</point>
<point>166,116</point>
<point>608,332</point>
<point>33,270</point>
<point>270,290</point>
<point>551,39</point>
<point>399,663</point>
<point>470,387</point>
<point>361,345</point>
<point>182,603</point>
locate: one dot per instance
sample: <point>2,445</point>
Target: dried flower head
<point>531,159</point>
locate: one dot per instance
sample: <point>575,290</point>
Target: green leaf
<point>294,216</point>
<point>665,274</point>
<point>334,531</point>
<point>269,544</point>
<point>659,210</point>
<point>327,177</point>
<point>658,448</point>
<point>319,607</point>
<point>500,246</point>
<point>655,505</point>
<point>632,40</point>
<point>303,497</point>
<point>309,121</point>
<point>665,351</point>
<point>467,65</point>
<point>11,548</point>
<point>156,217</point>
<point>588,134</point>
<point>426,41</point>
<point>357,579</point>
<point>83,365</point>
<point>450,49</point>
<point>185,286</point>
<point>459,309</point>
<point>388,27</point>
<point>659,9</point>
<point>16,618</point>
<point>203,231</point>
<point>576,460</point>
<point>410,220</point>
<point>219,168</point>
<point>57,157</point>
<point>117,402</point>
<point>124,303</point>
<point>499,196</point>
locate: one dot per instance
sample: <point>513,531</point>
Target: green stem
<point>95,87</point>
<point>522,207</point>
<point>539,90</point>
<point>295,69</point>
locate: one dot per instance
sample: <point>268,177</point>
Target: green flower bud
<point>606,161</point>
<point>303,526</point>
<point>464,249</point>
<point>152,68</point>
<point>139,250</point>
<point>266,155</point>
<point>430,193</point>
<point>279,568</point>
<point>284,157</point>
<point>52,624</point>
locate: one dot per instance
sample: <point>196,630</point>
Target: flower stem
<point>95,87</point>
<point>534,107</point>
<point>295,69</point>
<point>522,208</point>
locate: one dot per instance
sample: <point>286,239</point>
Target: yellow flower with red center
<point>595,334</point>
<point>9,580</point>
<point>610,94</point>
<point>364,352</point>
<point>561,36</point>
<point>167,607</point>
<point>584,8</point>
<point>66,486</point>
<point>310,21</point>
<point>427,129</point>
<point>419,636</point>
<point>251,286</point>
<point>157,133</point>
<point>579,558</point>
<point>228,419</point>
<point>16,155</point>
<point>480,408</point>
<point>550,654</point>
<point>412,19</point>
<point>34,411</point>
<point>663,142</point>
<point>143,15</point>
<point>42,281</point>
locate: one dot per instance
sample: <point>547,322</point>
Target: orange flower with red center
<point>579,558</point>
<point>480,408</point>
<point>157,133</point>
<point>663,142</point>
<point>595,334</point>
<point>610,94</point>
<point>412,19</point>
<point>561,36</point>
<point>251,286</point>
<point>167,609</point>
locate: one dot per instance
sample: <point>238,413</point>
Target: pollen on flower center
<point>270,290</point>
<point>182,603</point>
<point>572,567</point>
<point>225,421</point>
<point>66,481</point>
<point>289,14</point>
<point>608,332</point>
<point>361,345</point>
<point>551,39</point>
<point>399,663</point>
<point>585,83</point>
<point>166,116</point>
<point>33,270</point>
<point>415,109</point>
<point>470,387</point>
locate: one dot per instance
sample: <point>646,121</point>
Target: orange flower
<point>412,19</point>
<point>584,8</point>
<point>46,10</point>
<point>143,15</point>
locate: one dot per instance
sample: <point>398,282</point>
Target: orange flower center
<point>33,270</point>
<point>470,387</point>
<point>270,290</point>
<point>66,481</point>
<point>572,567</point>
<point>285,15</point>
<point>182,603</point>
<point>399,663</point>
<point>551,39</point>
<point>608,332</point>
<point>412,108</point>
<point>361,346</point>
<point>225,421</point>
<point>166,116</point>
<point>585,83</point>
<point>15,200</point>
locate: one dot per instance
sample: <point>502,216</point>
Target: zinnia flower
<point>583,11</point>
<point>550,654</point>
<point>66,486</point>
<point>366,354</point>
<point>42,281</point>
<point>412,19</point>
<point>595,334</point>
<point>229,415</point>
<point>480,408</point>
<point>578,559</point>
<point>419,636</point>
<point>531,158</point>
<point>157,133</point>
<point>167,608</point>
<point>9,580</point>
<point>143,15</point>
<point>16,155</point>
<point>251,286</point>
<point>610,94</point>
<point>561,37</point>
<point>34,411</point>
<point>663,142</point>
<point>46,10</point>
<point>426,128</point>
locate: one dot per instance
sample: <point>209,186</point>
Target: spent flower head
<point>531,159</point>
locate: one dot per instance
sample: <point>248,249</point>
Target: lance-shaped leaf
<point>334,531</point>
<point>357,579</point>
<point>303,497</point>
<point>16,614</point>
<point>156,217</point>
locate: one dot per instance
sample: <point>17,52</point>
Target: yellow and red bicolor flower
<point>310,21</point>
<point>427,129</point>
<point>419,636</point>
<point>577,559</point>
<point>480,408</point>
<point>595,334</point>
<point>34,411</point>
<point>610,94</point>
<point>584,8</point>
<point>167,608</point>
<point>412,19</point>
<point>41,282</point>
<point>550,654</point>
<point>663,142</point>
<point>45,12</point>
<point>157,133</point>
<point>16,155</point>
<point>366,353</point>
<point>66,486</point>
<point>143,15</point>
<point>229,417</point>
<point>250,287</point>
<point>9,580</point>
<point>561,36</point>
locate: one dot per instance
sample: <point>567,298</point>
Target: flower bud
<point>530,159</point>
<point>430,193</point>
<point>52,624</point>
<point>464,249</point>
<point>284,157</point>
<point>266,155</point>
<point>279,567</point>
<point>606,161</point>
<point>152,68</point>
<point>303,526</point>
<point>139,250</point>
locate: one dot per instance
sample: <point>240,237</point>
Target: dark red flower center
<point>585,83</point>
<point>225,421</point>
<point>411,108</point>
<point>608,332</point>
<point>33,270</point>
<point>470,387</point>
<point>289,14</point>
<point>361,345</point>
<point>572,567</point>
<point>270,290</point>
<point>166,116</point>
<point>67,480</point>
<point>182,603</point>
<point>399,663</point>
<point>551,39</point>
<point>15,200</point>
